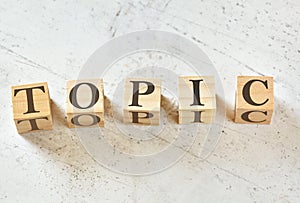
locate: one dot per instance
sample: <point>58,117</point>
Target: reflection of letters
<point>245,116</point>
<point>76,122</point>
<point>32,122</point>
<point>135,116</point>
<point>197,116</point>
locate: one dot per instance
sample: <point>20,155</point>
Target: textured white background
<point>51,40</point>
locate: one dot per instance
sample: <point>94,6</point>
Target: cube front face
<point>254,100</point>
<point>32,107</point>
<point>85,103</point>
<point>197,100</point>
<point>142,100</point>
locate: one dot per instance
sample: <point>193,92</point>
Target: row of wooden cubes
<point>142,102</point>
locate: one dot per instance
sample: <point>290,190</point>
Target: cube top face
<point>255,92</point>
<point>85,96</point>
<point>196,92</point>
<point>31,101</point>
<point>142,94</point>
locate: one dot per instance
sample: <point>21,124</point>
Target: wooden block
<point>254,99</point>
<point>142,98</point>
<point>85,103</point>
<point>197,99</point>
<point>32,107</point>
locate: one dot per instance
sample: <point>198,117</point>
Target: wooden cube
<point>32,107</point>
<point>85,103</point>
<point>197,99</point>
<point>254,99</point>
<point>142,98</point>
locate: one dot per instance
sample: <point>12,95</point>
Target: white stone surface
<point>51,40</point>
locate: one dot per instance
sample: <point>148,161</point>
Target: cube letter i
<point>197,99</point>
